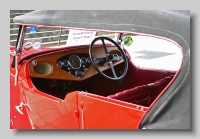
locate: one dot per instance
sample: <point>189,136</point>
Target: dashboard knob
<point>59,64</point>
<point>78,73</point>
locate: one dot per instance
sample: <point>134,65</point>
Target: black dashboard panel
<point>76,64</point>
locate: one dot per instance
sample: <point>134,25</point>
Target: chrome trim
<point>59,36</point>
<point>64,63</point>
<point>20,38</point>
<point>82,117</point>
<point>34,62</point>
<point>79,61</point>
<point>28,44</point>
<point>76,72</point>
<point>82,111</point>
<point>21,106</point>
<point>59,62</point>
<point>16,69</point>
<point>88,59</point>
<point>37,45</point>
<point>84,59</point>
<point>16,55</point>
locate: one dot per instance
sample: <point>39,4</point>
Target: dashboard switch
<point>78,73</point>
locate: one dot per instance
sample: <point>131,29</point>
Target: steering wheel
<point>108,58</point>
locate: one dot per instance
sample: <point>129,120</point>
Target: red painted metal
<point>17,120</point>
<point>76,114</point>
<point>48,112</point>
<point>45,111</point>
<point>103,113</point>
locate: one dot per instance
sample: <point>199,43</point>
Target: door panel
<point>97,113</point>
<point>48,112</point>
<point>18,117</point>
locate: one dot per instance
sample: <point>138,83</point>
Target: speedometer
<point>74,61</point>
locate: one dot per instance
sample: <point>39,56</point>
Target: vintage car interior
<point>103,69</point>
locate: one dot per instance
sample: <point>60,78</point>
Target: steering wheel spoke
<point>112,68</point>
<point>104,46</point>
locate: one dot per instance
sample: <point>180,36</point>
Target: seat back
<point>144,94</point>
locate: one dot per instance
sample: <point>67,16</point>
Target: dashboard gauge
<point>74,61</point>
<point>83,60</point>
<point>59,64</point>
<point>65,63</point>
<point>78,73</point>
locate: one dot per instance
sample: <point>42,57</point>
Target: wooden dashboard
<point>45,66</point>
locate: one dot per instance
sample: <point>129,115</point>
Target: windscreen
<point>41,37</point>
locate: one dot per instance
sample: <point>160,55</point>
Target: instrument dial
<point>59,64</point>
<point>65,63</point>
<point>74,61</point>
<point>83,60</point>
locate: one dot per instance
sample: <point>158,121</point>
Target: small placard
<point>33,29</point>
<point>80,37</point>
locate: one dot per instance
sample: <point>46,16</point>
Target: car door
<point>18,116</point>
<point>97,112</point>
<point>48,112</point>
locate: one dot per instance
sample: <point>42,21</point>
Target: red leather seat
<point>142,95</point>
